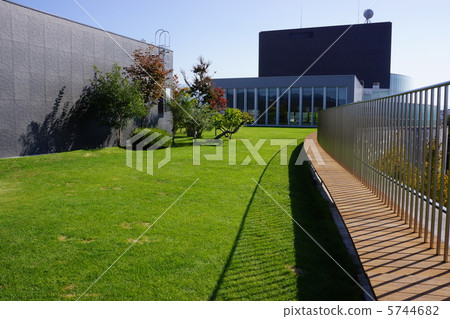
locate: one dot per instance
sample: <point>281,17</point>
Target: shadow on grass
<point>183,141</point>
<point>246,266</point>
<point>319,277</point>
<point>272,258</point>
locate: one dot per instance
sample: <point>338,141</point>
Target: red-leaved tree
<point>218,102</point>
<point>148,69</point>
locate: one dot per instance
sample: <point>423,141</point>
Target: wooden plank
<point>399,265</point>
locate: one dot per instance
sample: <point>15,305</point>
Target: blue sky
<point>226,32</point>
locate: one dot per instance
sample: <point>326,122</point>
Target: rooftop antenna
<point>358,11</point>
<point>368,14</point>
<point>301,14</point>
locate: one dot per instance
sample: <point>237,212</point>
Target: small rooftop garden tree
<point>202,86</point>
<point>116,100</point>
<point>148,69</point>
<point>230,121</point>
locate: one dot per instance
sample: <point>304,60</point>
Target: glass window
<point>331,97</point>
<point>229,97</point>
<point>294,117</point>
<point>272,111</point>
<point>306,106</point>
<point>240,99</point>
<point>260,114</point>
<point>284,100</point>
<point>342,96</point>
<point>250,100</point>
<point>318,104</point>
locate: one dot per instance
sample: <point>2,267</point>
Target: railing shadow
<point>268,263</point>
<point>234,279</point>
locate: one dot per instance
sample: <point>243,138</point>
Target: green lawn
<point>64,218</point>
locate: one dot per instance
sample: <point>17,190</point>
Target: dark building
<point>363,50</point>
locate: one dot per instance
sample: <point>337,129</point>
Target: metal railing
<point>397,146</point>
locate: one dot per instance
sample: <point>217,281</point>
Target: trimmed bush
<point>150,131</point>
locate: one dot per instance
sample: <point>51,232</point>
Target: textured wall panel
<point>44,59</point>
<point>6,55</point>
<point>6,86</point>
<point>22,86</point>
<point>5,21</point>
<point>19,23</point>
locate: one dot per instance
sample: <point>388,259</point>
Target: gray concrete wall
<point>45,62</point>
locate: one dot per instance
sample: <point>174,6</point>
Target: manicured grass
<point>64,218</point>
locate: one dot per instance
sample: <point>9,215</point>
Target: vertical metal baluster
<point>385,151</point>
<point>415,163</point>
<point>409,145</point>
<point>409,156</point>
<point>372,145</point>
<point>400,155</point>
<point>379,148</point>
<point>434,157</point>
<point>351,117</point>
<point>391,153</point>
<point>423,202</point>
<point>443,161</point>
<point>360,142</point>
<point>430,178</point>
<point>447,219</point>
<point>403,155</point>
<point>397,155</point>
<point>365,144</point>
<point>360,137</point>
<point>368,145</point>
<point>356,136</point>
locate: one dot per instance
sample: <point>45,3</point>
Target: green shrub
<point>151,131</point>
<point>116,100</point>
<point>230,121</point>
<point>198,121</point>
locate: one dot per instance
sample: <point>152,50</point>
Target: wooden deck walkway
<point>398,264</point>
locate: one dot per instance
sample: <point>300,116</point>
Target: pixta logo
<point>143,145</point>
<point>309,150</point>
<point>202,151</point>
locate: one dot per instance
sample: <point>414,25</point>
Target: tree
<point>230,121</point>
<point>181,106</point>
<point>202,85</point>
<point>116,100</point>
<point>198,121</point>
<point>218,102</point>
<point>148,69</point>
